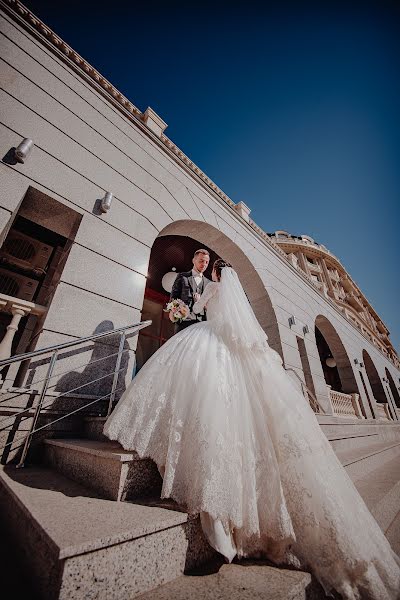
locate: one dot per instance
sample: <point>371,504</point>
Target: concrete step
<point>93,428</point>
<point>347,433</point>
<point>118,474</point>
<point>380,490</point>
<point>359,462</point>
<point>105,467</point>
<point>244,581</point>
<point>15,426</point>
<point>393,534</point>
<point>17,407</point>
<point>76,546</point>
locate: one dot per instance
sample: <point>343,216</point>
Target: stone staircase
<point>89,523</point>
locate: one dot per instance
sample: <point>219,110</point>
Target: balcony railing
<point>355,302</point>
<point>18,309</point>
<point>345,405</point>
<point>383,411</point>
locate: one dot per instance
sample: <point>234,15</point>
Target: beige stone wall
<point>85,146</point>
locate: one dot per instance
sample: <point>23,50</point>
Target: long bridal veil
<point>237,324</point>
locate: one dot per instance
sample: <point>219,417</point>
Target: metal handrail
<point>65,394</point>
<point>54,351</point>
<point>307,388</point>
<point>21,391</point>
<point>22,357</point>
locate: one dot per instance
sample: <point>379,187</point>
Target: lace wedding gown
<point>237,442</point>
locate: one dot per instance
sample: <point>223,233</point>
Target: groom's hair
<point>201,251</point>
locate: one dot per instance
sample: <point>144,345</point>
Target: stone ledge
<point>111,450</point>
<point>77,522</point>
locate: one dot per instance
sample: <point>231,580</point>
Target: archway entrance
<point>334,359</point>
<point>338,373</point>
<point>168,252</point>
<point>376,383</point>
<point>393,388</point>
<point>174,247</point>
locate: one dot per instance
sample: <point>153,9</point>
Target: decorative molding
<point>154,121</point>
<point>243,210</point>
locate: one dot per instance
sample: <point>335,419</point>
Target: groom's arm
<point>176,292</point>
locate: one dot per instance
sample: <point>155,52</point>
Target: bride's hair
<point>218,265</point>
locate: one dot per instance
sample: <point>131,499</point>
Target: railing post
<point>116,372</point>
<point>386,408</point>
<point>38,409</point>
<point>355,398</point>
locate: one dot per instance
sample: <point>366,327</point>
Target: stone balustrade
<point>345,405</point>
<point>17,308</point>
<point>382,410</point>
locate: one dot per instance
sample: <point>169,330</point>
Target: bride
<point>235,441</point>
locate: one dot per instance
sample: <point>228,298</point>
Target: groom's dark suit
<point>183,289</point>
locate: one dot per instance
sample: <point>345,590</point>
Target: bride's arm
<point>210,290</point>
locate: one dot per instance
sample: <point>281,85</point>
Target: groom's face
<point>200,262</point>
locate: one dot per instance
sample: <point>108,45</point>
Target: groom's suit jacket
<point>184,287</point>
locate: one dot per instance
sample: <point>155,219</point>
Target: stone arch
<point>226,248</point>
<point>393,388</point>
<point>374,379</point>
<point>345,373</point>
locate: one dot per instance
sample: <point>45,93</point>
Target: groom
<point>189,286</point>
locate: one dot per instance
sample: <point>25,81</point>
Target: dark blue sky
<point>293,108</point>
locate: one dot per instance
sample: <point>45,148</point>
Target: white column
<point>356,405</point>
<point>5,345</point>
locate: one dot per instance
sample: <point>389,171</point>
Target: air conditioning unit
<point>24,251</point>
<point>17,286</point>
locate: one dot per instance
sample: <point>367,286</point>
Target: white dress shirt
<point>198,277</point>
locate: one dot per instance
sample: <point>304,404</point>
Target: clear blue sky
<point>293,108</point>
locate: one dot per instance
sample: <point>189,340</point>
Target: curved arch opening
<point>174,247</point>
<point>338,372</point>
<point>374,379</point>
<point>393,388</point>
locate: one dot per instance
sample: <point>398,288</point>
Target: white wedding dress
<point>237,442</point>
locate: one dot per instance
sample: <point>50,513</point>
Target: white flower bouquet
<point>177,311</point>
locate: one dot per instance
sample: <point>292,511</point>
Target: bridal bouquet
<point>178,311</point>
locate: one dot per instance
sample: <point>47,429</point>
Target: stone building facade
<point>70,265</point>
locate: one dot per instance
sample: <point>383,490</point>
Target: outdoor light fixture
<point>23,150</point>
<point>105,204</point>
<point>362,365</point>
<point>330,362</point>
<point>305,329</point>
<point>356,361</point>
<point>292,321</point>
<point>168,280</point>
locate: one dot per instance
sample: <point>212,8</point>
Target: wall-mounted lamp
<point>305,329</point>
<point>23,150</point>
<point>292,321</point>
<point>330,362</point>
<point>356,361</point>
<point>362,365</point>
<point>105,203</point>
<point>168,280</point>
